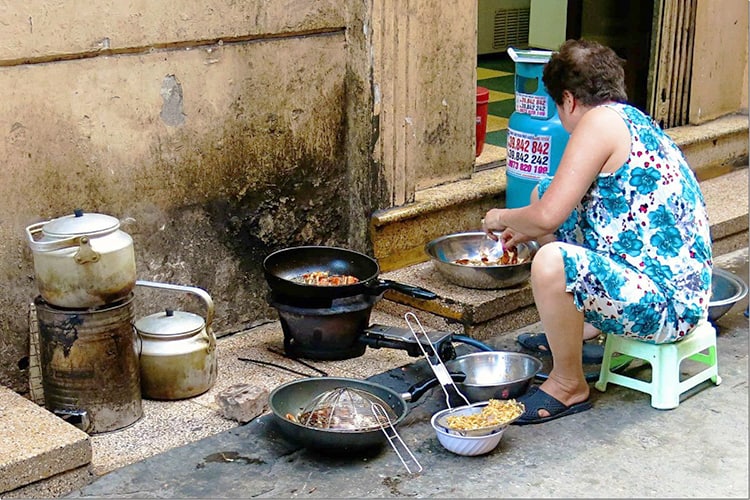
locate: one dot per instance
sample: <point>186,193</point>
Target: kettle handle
<point>195,291</point>
<point>72,241</point>
<point>48,246</point>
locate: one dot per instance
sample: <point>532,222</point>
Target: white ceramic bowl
<point>467,445</point>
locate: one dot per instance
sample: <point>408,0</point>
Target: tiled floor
<point>496,72</point>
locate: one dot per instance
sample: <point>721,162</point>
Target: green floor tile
<point>503,108</point>
<point>505,84</point>
<point>497,138</point>
<point>498,62</point>
<point>501,83</point>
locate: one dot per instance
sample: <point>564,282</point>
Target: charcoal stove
<point>336,329</point>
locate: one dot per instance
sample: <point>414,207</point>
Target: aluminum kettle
<point>178,349</point>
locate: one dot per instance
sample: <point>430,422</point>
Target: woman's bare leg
<point>589,331</point>
<point>563,324</point>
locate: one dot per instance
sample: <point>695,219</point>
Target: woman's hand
<point>494,228</point>
<point>492,225</point>
<point>511,238</point>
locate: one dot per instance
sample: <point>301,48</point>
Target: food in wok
<point>323,278</point>
<point>343,409</point>
<point>340,419</point>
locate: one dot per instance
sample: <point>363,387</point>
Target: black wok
<point>283,269</point>
<point>293,397</point>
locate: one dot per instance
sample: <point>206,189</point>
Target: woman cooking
<point>623,225</point>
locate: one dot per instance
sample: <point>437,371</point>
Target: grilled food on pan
<point>322,278</point>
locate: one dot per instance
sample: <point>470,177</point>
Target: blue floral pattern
<point>637,249</point>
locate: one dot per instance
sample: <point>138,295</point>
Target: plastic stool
<point>665,387</point>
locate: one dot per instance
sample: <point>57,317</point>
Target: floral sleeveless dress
<point>637,249</point>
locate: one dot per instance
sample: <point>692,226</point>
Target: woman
<point>623,226</point>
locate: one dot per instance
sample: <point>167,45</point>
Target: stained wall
<point>216,132</point>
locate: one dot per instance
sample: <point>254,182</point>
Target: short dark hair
<point>592,72</point>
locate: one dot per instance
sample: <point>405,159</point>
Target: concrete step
<point>482,314</point>
<point>37,445</point>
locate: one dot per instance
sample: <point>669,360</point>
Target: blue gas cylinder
<point>536,138</point>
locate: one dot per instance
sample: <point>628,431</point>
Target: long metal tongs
<point>441,372</point>
<point>394,439</point>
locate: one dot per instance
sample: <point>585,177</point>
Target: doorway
<point>626,27</point>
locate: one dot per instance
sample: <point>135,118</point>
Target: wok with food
<point>301,410</point>
<point>322,272</point>
<point>472,260</point>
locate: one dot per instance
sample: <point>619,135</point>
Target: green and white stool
<point>665,386</point>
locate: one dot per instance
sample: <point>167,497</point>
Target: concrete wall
<point>216,131</point>
<point>719,79</point>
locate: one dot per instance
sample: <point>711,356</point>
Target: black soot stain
<point>229,456</point>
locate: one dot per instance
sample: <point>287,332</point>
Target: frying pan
<point>481,376</point>
<point>283,268</point>
<point>292,397</point>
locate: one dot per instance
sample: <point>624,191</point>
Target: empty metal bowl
<point>726,290</point>
<point>494,374</point>
<point>446,250</point>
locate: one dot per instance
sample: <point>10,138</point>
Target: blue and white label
<point>532,105</point>
<point>528,155</point>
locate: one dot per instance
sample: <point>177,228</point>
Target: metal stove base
<point>294,349</point>
<point>376,337</point>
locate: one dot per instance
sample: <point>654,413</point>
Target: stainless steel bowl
<point>445,250</point>
<point>726,290</point>
<point>494,374</point>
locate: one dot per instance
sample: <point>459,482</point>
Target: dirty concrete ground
<point>622,447</point>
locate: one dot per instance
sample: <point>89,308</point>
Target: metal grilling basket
<point>346,409</point>
<point>343,409</point>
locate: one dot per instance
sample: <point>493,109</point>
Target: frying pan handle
<point>416,391</point>
<point>410,290</point>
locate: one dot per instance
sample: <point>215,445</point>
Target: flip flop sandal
<point>537,399</point>
<point>593,353</point>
